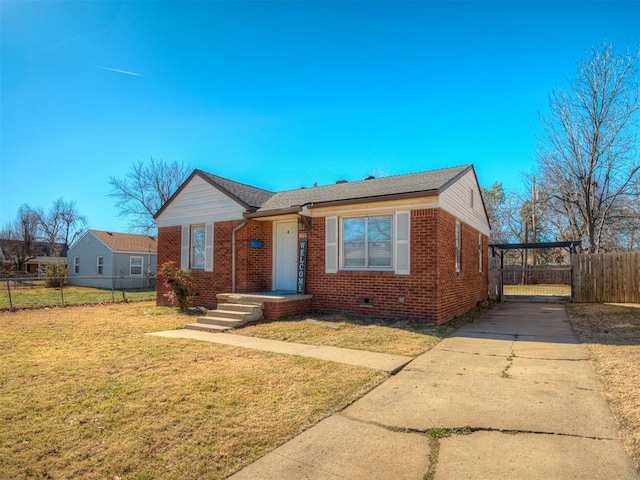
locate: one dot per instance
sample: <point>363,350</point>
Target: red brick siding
<point>208,284</point>
<point>432,292</point>
<point>168,250</point>
<point>458,292</point>
<point>275,310</point>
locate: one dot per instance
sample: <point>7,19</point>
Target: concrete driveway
<point>512,395</point>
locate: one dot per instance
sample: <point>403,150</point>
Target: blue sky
<point>280,94</point>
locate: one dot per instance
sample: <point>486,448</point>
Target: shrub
<point>55,275</point>
<point>178,283</point>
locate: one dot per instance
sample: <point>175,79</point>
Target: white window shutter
<point>331,244</point>
<point>208,248</point>
<point>402,242</point>
<point>184,250</point>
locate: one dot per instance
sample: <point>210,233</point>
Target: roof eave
<point>272,213</point>
<point>377,198</point>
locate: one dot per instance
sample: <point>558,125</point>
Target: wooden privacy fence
<point>607,277</point>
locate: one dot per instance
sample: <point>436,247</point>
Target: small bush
<point>55,275</point>
<point>178,283</point>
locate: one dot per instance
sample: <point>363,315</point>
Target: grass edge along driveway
<point>611,333</point>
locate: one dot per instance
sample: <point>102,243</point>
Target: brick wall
<point>458,292</point>
<point>208,284</point>
<point>434,291</point>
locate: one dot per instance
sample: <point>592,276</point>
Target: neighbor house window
<point>135,266</point>
<point>480,252</point>
<point>76,264</point>
<point>367,242</point>
<point>458,248</point>
<point>197,251</point>
<point>100,263</point>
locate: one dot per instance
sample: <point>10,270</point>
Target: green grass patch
<point>39,296</point>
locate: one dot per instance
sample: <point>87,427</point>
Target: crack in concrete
<point>512,355</point>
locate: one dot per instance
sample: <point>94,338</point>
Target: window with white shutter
<point>331,244</point>
<point>208,248</point>
<point>184,247</point>
<point>403,223</point>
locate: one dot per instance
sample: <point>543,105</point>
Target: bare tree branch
<point>144,189</point>
<point>588,155</point>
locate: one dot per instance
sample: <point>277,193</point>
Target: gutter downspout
<point>233,255</point>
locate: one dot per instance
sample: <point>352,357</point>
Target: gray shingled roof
<point>434,180</point>
<point>250,197</point>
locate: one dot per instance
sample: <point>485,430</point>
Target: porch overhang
<point>270,214</point>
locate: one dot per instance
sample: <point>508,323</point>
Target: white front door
<point>285,262</point>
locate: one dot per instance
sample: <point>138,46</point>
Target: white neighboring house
<point>113,260</point>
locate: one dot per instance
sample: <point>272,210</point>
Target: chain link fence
<point>24,292</point>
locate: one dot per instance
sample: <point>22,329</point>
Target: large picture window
<point>367,242</point>
<point>197,252</point>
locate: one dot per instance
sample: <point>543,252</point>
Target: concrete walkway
<point>511,396</point>
<point>383,362</point>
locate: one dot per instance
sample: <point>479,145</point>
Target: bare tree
<point>20,237</point>
<point>61,225</point>
<point>144,189</point>
<point>588,157</point>
<point>495,203</point>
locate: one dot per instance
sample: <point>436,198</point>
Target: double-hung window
<point>100,265</point>
<point>196,257</point>
<point>197,247</point>
<point>76,265</point>
<point>135,266</point>
<point>367,242</point>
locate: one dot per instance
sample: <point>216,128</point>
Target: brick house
<point>408,246</point>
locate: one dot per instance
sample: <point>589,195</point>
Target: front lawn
<point>612,335</point>
<point>399,337</point>
<point>86,395</point>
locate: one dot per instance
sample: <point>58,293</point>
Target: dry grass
<point>397,337</point>
<point>612,335</point>
<point>539,289</point>
<point>86,395</point>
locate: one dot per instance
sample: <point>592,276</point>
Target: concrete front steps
<point>227,316</point>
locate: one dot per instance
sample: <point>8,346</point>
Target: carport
<point>529,271</point>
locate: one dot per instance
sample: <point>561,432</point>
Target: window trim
<point>131,274</point>
<point>203,246</point>
<point>99,265</point>
<point>366,267</point>
<point>458,240</point>
<point>480,253</point>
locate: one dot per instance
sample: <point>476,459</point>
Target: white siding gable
<point>463,200</point>
<point>199,202</point>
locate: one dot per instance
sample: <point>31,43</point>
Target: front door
<point>285,256</point>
